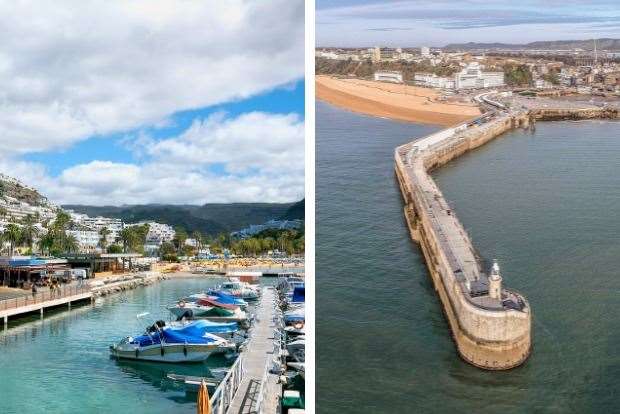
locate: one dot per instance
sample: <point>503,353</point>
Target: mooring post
<point>6,321</point>
<point>41,312</point>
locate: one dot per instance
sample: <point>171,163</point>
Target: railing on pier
<point>226,390</point>
<point>40,297</point>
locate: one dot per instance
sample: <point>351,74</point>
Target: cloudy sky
<point>439,22</point>
<point>153,101</point>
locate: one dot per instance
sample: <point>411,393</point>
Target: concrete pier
<point>491,325</point>
<point>257,356</point>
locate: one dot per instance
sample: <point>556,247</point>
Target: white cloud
<point>260,157</point>
<point>73,69</point>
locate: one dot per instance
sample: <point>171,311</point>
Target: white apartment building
<point>425,51</point>
<point>389,76</point>
<point>472,77</point>
<point>431,80</point>
<point>114,225</point>
<point>88,240</point>
<point>158,232</point>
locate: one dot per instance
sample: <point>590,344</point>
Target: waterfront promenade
<point>259,391</point>
<point>27,303</point>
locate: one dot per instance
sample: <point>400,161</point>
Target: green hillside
<point>209,218</point>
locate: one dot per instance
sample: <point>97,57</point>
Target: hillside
<point>601,44</point>
<point>208,218</point>
<point>10,187</point>
<point>296,212</point>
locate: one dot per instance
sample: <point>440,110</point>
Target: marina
<point>242,379</point>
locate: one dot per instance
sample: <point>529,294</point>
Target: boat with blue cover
<point>191,341</point>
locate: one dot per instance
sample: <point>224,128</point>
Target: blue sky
<point>113,147</point>
<point>437,23</point>
<point>161,104</point>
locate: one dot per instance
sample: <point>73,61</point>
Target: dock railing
<point>40,297</point>
<point>226,390</point>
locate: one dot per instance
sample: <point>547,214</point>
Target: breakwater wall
<point>490,325</point>
<point>556,114</point>
<point>127,283</point>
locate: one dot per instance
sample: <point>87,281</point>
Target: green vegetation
<point>56,241</point>
<point>115,248</point>
<point>289,241</point>
<point>103,237</point>
<point>134,237</point>
<point>211,219</point>
<point>518,75</point>
<point>552,77</point>
<point>367,68</point>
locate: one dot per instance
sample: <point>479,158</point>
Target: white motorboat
<point>188,342</point>
<point>238,289</point>
<point>297,350</point>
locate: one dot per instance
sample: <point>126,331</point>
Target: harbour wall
<point>489,337</point>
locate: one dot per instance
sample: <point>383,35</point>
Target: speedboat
<point>295,317</point>
<point>297,350</point>
<point>224,297</point>
<point>187,342</point>
<point>207,309</point>
<point>238,289</point>
<point>299,367</point>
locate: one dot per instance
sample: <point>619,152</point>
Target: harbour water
<point>61,364</point>
<point>544,204</point>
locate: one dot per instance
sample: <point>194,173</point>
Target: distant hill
<point>601,44</point>
<point>208,218</point>
<point>296,212</point>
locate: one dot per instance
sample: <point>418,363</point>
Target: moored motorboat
<point>238,289</point>
<point>187,342</point>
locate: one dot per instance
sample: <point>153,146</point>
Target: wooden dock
<point>258,356</point>
<point>42,300</point>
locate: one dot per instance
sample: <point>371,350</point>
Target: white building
<point>472,77</point>
<point>389,76</point>
<point>88,240</point>
<point>158,232</point>
<point>430,80</point>
<point>425,51</point>
<point>114,225</point>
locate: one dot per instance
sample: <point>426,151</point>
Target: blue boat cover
<point>299,294</point>
<point>226,297</point>
<point>192,333</point>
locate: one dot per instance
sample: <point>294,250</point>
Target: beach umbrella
<point>204,404</point>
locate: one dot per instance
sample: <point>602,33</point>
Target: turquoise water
<point>61,364</point>
<point>544,204</point>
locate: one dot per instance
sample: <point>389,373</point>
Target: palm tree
<point>103,240</point>
<point>47,242</point>
<point>12,234</point>
<point>29,232</point>
<point>71,244</point>
<point>126,237</point>
<point>199,239</point>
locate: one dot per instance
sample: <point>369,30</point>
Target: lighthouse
<point>495,282</point>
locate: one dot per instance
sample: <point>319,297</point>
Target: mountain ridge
<point>210,218</point>
<point>588,44</point>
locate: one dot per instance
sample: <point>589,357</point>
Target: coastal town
<point>244,299</point>
<point>438,85</point>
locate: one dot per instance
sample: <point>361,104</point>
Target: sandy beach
<point>401,102</point>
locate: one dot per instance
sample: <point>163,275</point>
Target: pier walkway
<point>38,302</point>
<point>259,391</point>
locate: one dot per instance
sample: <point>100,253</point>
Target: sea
<point>61,363</point>
<point>545,203</point>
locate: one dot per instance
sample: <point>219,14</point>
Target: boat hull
<point>172,353</point>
